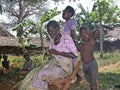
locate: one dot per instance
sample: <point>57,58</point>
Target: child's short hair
<point>70,9</point>
<point>84,28</point>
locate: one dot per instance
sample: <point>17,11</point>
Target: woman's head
<point>68,12</point>
<point>53,28</point>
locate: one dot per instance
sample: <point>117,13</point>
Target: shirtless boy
<point>89,63</point>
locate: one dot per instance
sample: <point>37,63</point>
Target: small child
<point>5,65</point>
<point>90,67</point>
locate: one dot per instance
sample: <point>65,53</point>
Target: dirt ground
<point>9,85</point>
<point>14,85</point>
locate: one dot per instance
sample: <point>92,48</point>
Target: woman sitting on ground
<point>59,66</point>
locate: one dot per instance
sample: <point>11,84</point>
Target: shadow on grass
<point>108,81</point>
<point>14,74</point>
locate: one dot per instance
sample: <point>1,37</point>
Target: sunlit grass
<point>15,61</point>
<point>39,61</point>
<point>109,75</point>
<point>108,58</point>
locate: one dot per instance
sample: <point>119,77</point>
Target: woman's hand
<point>53,51</point>
<point>65,54</point>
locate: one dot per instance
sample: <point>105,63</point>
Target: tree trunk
<point>101,31</point>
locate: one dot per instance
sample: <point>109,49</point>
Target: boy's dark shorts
<point>91,73</point>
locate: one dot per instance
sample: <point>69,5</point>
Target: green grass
<point>16,63</point>
<point>108,58</point>
<point>108,77</point>
<point>39,61</point>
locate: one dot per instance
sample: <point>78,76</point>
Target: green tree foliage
<point>103,14</point>
<point>48,15</point>
<point>83,17</point>
<point>28,26</point>
<point>110,14</point>
<point>19,10</point>
<point>31,27</point>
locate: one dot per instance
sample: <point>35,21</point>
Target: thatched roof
<point>4,32</point>
<point>9,43</point>
<point>12,41</point>
<point>7,39</point>
<point>36,41</point>
<point>113,35</point>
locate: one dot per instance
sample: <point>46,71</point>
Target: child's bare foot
<point>79,78</point>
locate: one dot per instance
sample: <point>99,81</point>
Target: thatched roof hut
<point>113,35</point>
<point>9,43</point>
<point>111,41</point>
<point>12,41</point>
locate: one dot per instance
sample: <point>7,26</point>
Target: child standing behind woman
<point>90,67</point>
<point>70,24</point>
<point>70,27</point>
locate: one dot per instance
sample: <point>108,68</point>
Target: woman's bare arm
<point>65,54</point>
